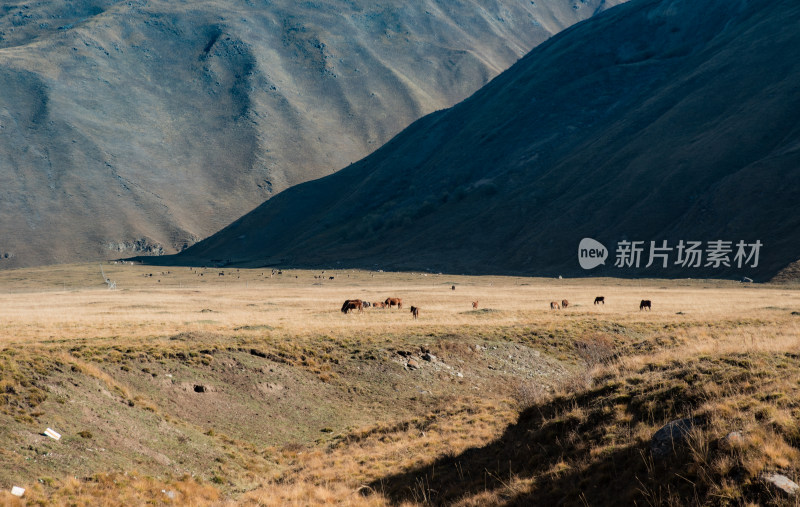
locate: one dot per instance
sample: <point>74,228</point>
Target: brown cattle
<point>564,303</point>
<point>554,305</point>
<point>352,304</point>
<point>645,304</point>
<point>600,299</point>
<point>474,305</point>
<point>390,302</point>
<point>379,305</point>
<point>415,311</point>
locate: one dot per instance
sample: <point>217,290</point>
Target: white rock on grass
<point>781,482</point>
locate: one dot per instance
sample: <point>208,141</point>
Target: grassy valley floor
<point>251,387</point>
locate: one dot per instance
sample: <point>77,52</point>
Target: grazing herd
<point>646,304</point>
<point>357,304</point>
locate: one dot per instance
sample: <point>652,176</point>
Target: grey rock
<point>670,436</point>
<point>732,440</point>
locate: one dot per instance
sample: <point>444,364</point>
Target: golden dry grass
<point>64,315</point>
<point>72,302</point>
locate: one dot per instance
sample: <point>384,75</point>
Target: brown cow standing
<point>600,299</point>
<point>554,305</point>
<point>474,305</point>
<point>352,304</point>
<point>390,302</point>
<point>415,311</point>
<point>564,303</point>
<point>645,304</point>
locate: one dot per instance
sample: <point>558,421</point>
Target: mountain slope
<point>141,126</point>
<point>658,120</point>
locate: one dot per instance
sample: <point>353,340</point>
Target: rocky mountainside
<point>667,122</point>
<point>140,126</point>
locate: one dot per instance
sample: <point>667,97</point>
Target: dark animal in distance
<point>390,302</point>
<point>474,305</point>
<point>600,299</point>
<point>645,304</point>
<point>554,305</point>
<point>366,304</point>
<point>564,303</point>
<point>452,287</point>
<point>352,304</point>
<point>415,311</point>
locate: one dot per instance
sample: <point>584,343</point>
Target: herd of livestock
<point>645,304</point>
<point>358,304</point>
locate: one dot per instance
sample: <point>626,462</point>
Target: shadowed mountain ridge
<point>144,125</point>
<point>659,120</point>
